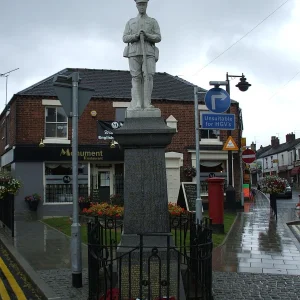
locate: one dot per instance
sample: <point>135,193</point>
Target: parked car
<point>287,192</point>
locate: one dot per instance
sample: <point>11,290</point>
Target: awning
<point>209,164</point>
<point>295,171</point>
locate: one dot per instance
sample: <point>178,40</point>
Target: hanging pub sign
<point>106,129</point>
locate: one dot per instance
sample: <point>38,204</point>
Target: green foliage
<point>272,185</point>
<point>63,224</point>
<point>8,184</point>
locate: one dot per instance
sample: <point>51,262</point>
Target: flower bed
<point>103,209</point>
<point>106,209</point>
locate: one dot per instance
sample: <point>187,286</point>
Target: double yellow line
<point>12,282</point>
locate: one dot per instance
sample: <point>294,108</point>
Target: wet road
<point>14,283</point>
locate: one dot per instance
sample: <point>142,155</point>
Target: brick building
<point>35,115</point>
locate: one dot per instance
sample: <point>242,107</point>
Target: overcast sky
<point>43,37</point>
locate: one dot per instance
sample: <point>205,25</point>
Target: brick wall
<point>27,123</point>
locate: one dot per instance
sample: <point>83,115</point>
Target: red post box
<point>216,203</point>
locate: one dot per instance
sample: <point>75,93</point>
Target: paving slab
<point>44,253</point>
<point>258,243</point>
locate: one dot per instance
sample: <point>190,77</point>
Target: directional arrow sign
<point>217,100</point>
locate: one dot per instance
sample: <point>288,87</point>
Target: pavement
<point>260,258</point>
<point>44,254</point>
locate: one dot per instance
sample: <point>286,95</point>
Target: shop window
<point>58,179</point>
<point>56,123</point>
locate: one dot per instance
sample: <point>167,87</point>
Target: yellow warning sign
<point>230,144</point>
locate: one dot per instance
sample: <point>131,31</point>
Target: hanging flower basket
<point>272,185</point>
<point>33,201</point>
<point>189,172</point>
<point>8,185</point>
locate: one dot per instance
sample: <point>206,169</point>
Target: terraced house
<point>36,139</point>
<point>282,159</point>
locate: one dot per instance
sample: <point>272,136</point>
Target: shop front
<point>212,164</point>
<point>48,172</point>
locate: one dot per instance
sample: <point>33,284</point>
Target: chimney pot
<point>290,137</point>
<point>274,141</point>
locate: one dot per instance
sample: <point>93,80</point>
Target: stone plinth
<point>144,140</point>
<point>145,185</point>
<point>143,113</point>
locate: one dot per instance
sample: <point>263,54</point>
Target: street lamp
<point>243,86</point>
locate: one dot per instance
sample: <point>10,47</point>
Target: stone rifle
<point>146,83</point>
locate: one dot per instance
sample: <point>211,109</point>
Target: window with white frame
<point>58,179</point>
<point>120,114</point>
<point>266,159</point>
<point>271,161</point>
<point>208,133</point>
<point>5,129</point>
<point>56,123</point>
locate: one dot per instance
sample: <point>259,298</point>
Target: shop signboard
<point>64,153</point>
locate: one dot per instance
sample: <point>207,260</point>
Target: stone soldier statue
<point>141,34</point>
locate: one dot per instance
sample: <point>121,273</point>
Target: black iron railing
<point>7,210</point>
<point>175,265</point>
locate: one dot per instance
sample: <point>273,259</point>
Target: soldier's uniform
<point>134,52</point>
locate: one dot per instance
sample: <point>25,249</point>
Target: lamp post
<point>197,139</point>
<point>243,86</point>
